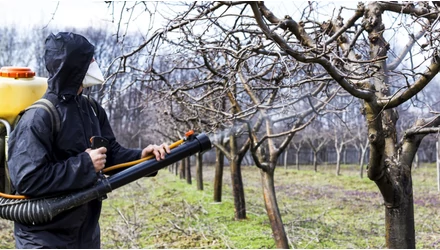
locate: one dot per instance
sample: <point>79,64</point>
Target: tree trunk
<point>344,158</point>
<point>388,168</point>
<point>286,154</point>
<point>176,168</point>
<point>361,174</point>
<point>236,179</point>
<point>273,212</point>
<point>395,185</point>
<point>338,162</point>
<point>438,164</point>
<point>188,170</point>
<point>315,161</point>
<point>399,223</point>
<point>416,161</point>
<point>218,179</point>
<point>399,207</point>
<point>182,167</point>
<point>297,160</point>
<point>199,171</point>
<point>238,190</point>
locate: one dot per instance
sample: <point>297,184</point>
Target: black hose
<point>38,211</point>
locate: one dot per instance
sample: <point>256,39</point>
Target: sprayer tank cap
<point>17,72</point>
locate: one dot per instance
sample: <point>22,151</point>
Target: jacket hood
<point>67,56</point>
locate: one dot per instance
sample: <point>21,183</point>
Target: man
<point>43,164</point>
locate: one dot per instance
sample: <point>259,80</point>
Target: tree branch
<point>304,39</point>
<point>414,89</point>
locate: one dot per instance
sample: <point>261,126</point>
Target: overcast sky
<point>56,14</point>
<point>36,12</point>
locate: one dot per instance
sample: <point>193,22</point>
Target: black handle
<point>98,141</point>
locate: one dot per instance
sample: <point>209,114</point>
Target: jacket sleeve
<point>118,154</point>
<point>33,169</point>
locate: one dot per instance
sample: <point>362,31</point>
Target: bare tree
<point>266,152</point>
<point>297,146</point>
<point>361,144</point>
<point>366,75</point>
<point>341,137</point>
<point>316,140</point>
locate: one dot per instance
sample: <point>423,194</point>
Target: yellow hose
<point>13,196</point>
<point>131,163</point>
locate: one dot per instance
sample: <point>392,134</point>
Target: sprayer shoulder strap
<point>50,108</point>
<point>53,112</point>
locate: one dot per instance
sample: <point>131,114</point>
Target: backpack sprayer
<point>33,211</point>
<point>19,88</point>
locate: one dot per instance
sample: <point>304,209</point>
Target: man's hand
<point>158,151</point>
<point>98,157</point>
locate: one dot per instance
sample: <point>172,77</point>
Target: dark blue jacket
<point>42,164</point>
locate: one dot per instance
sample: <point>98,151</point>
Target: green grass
<point>176,215</point>
<point>319,210</point>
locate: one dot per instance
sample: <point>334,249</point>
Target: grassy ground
<point>319,210</point>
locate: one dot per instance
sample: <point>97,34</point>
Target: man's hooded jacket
<point>43,164</point>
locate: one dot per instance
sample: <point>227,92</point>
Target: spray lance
<point>33,211</point>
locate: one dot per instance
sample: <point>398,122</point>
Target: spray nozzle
<point>189,135</point>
